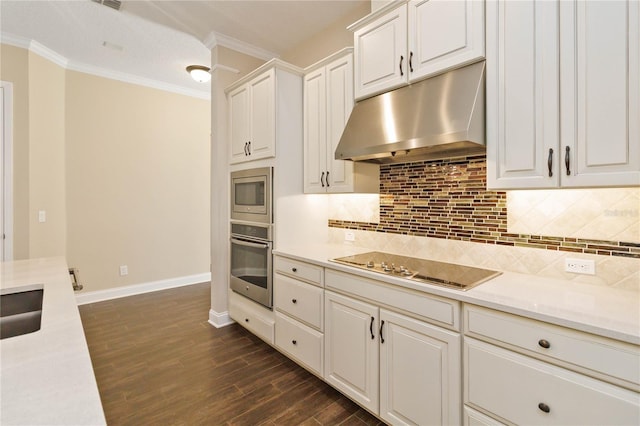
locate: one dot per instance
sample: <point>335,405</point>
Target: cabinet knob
<point>544,407</point>
<point>294,300</point>
<point>544,343</point>
<point>294,269</point>
<point>295,342</point>
<point>246,320</point>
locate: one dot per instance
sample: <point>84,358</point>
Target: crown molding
<point>216,39</point>
<point>43,51</point>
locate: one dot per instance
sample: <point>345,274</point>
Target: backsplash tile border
<point>448,199</point>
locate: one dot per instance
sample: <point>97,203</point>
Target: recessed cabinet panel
<point>600,95</point>
<point>419,372</point>
<point>340,92</point>
<point>263,116</point>
<point>351,348</point>
<point>522,94</point>
<point>315,114</point>
<point>239,117</point>
<point>444,34</point>
<point>380,50</point>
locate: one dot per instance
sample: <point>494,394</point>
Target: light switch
<point>42,216</point>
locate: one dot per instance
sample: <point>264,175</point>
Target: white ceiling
<point>151,41</point>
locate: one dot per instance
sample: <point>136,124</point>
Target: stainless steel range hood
<point>439,117</point>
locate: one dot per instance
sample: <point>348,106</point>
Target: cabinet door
<point>351,348</point>
<point>444,34</point>
<point>315,130</point>
<point>522,94</point>
<point>381,54</point>
<point>339,106</point>
<point>262,116</point>
<point>419,372</point>
<point>600,92</point>
<point>239,123</point>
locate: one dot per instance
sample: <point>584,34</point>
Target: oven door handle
<point>249,244</point>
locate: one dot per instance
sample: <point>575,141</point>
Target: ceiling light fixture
<point>199,73</point>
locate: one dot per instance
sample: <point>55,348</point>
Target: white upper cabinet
<point>599,92</point>
<point>522,94</point>
<point>328,101</point>
<point>258,105</point>
<point>381,54</point>
<point>444,34</point>
<point>563,94</point>
<point>407,41</point>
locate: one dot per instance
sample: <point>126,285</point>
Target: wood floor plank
<point>158,361</point>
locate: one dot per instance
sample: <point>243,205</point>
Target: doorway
<point>6,170</point>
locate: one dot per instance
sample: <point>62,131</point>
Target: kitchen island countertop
<point>46,376</point>
<point>599,310</point>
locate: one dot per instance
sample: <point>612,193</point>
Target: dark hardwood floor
<point>158,362</point>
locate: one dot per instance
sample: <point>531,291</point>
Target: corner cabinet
<point>563,94</point>
<point>328,101</point>
<point>401,368</point>
<point>407,41</point>
<point>257,104</point>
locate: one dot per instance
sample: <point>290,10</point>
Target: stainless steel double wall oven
<point>251,234</point>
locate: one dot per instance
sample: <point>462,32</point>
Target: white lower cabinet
<point>522,371</point>
<point>298,302</point>
<point>523,390</point>
<point>252,316</point>
<point>405,370</point>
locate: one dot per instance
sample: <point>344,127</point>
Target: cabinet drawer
<point>300,270</point>
<point>302,301</point>
<point>524,390</point>
<point>570,348</point>
<point>302,343</point>
<point>432,308</point>
<point>249,315</point>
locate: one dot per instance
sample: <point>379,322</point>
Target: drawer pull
<point>294,269</point>
<point>544,407</point>
<point>295,342</point>
<point>544,343</point>
<point>294,301</point>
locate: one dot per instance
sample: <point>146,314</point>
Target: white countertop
<point>594,309</point>
<point>46,376</point>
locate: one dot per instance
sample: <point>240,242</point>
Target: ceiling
<point>151,41</point>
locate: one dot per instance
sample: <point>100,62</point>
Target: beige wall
<point>328,41</point>
<point>121,170</point>
<point>14,68</point>
<point>46,158</point>
<point>137,182</point>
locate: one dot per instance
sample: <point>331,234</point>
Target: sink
<point>20,311</point>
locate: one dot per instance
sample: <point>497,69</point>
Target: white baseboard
<point>219,319</point>
<point>130,290</point>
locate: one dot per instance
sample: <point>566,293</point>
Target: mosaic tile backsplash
<point>447,199</point>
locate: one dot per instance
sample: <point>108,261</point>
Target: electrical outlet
<point>124,270</point>
<point>42,216</point>
<point>349,236</point>
<point>580,266</point>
